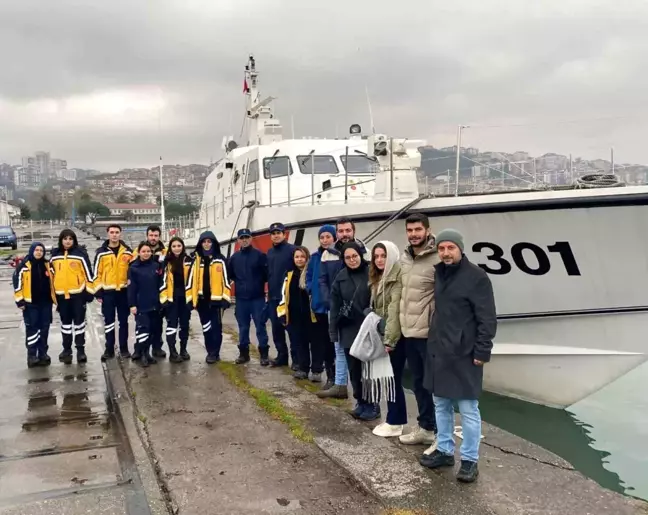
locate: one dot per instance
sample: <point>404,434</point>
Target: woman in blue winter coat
<point>144,282</point>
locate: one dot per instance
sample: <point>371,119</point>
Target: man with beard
<point>330,264</point>
<point>416,309</point>
<point>460,343</point>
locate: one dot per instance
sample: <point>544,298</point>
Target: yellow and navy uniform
<point>166,290</point>
<point>111,269</point>
<point>219,284</point>
<point>23,280</point>
<point>283,309</point>
<point>70,272</point>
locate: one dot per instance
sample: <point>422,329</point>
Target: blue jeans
<point>470,426</point>
<point>341,369</point>
<point>257,310</point>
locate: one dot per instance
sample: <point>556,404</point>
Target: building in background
<point>137,212</point>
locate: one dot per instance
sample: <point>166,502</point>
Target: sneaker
<point>316,377</point>
<point>66,357</point>
<point>184,355</point>
<point>243,357</point>
<point>431,448</point>
<point>174,357</point>
<point>468,471</point>
<point>387,430</point>
<point>294,367</point>
<point>418,436</point>
<point>151,360</point>
<point>300,375</point>
<point>337,391</point>
<point>124,354</point>
<point>437,460</point>
<point>370,412</point>
<point>264,361</point>
<point>108,354</point>
<point>279,362</point>
<point>136,355</point>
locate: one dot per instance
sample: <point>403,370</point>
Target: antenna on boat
<point>263,127</point>
<point>371,119</point>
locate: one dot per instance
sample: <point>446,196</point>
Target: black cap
<point>277,226</point>
<point>242,233</point>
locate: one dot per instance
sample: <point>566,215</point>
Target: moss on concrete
<point>266,401</point>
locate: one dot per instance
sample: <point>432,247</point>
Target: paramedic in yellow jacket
<point>208,290</point>
<point>109,283</point>
<point>71,277</point>
<point>173,299</point>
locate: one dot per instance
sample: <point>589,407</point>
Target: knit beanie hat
<point>327,228</point>
<point>451,235</point>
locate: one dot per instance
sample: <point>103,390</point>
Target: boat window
<point>317,164</point>
<point>360,164</point>
<point>253,172</point>
<point>277,167</point>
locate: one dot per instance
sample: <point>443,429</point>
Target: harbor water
<point>605,436</point>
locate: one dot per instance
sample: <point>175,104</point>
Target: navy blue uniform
<point>248,268</point>
<point>280,261</point>
<point>144,282</point>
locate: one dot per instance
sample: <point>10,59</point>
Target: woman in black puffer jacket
<point>350,297</point>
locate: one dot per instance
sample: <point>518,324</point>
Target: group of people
<point>435,312</point>
<point>152,283</point>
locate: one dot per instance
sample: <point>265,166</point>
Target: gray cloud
<point>428,66</point>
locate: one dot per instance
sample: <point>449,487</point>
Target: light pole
<point>460,128</point>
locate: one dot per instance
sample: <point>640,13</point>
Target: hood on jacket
<point>64,234</point>
<point>208,235</point>
<point>393,256</point>
<point>32,247</point>
<point>360,250</point>
<point>430,247</point>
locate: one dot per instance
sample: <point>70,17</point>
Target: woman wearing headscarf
<point>208,289</point>
<point>71,275</point>
<point>385,284</point>
<point>144,282</point>
<point>173,299</point>
<point>33,295</point>
<point>294,312</point>
<point>350,296</point>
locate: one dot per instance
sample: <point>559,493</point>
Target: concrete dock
<point>196,439</point>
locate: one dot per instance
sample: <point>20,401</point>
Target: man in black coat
<point>459,343</point>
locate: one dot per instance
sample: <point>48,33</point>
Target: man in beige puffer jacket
<point>416,309</point>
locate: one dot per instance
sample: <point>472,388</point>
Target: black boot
<point>183,351</point>
<point>143,360</point>
<point>32,361</point>
<point>159,353</point>
<point>244,356</point>
<point>66,356</point>
<point>124,353</point>
<point>108,354</point>
<point>81,355</point>
<point>280,361</point>
<point>174,357</point>
<point>44,360</point>
<point>263,357</point>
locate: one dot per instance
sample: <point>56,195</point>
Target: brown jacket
<point>417,297</point>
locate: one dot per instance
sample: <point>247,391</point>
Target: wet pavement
<point>62,445</point>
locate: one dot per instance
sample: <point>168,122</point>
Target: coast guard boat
<point>569,267</point>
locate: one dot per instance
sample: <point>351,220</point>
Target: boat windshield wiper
<point>270,161</point>
<point>305,159</point>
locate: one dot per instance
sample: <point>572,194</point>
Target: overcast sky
<point>114,84</point>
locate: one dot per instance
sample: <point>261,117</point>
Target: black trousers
<point>320,334</point>
<point>416,351</point>
<point>310,354</point>
<point>72,312</point>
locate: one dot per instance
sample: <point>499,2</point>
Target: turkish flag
<point>245,86</point>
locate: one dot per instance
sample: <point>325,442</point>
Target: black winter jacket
<point>350,288</point>
<point>462,330</point>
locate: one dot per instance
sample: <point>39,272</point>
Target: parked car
<point>8,237</point>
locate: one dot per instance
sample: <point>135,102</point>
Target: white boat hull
<point>569,269</point>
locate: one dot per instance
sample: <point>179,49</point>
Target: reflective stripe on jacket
<point>166,290</point>
<point>219,282</point>
<point>71,272</point>
<point>110,270</point>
